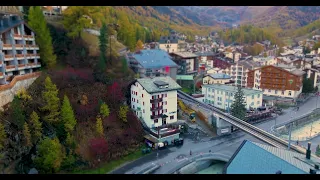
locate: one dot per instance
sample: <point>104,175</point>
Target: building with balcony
<point>218,78</point>
<point>154,100</point>
<point>238,71</point>
<point>188,63</point>
<point>171,43</point>
<point>19,53</point>
<point>153,62</point>
<point>222,96</point>
<point>276,81</point>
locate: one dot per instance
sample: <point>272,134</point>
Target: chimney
<point>308,154</point>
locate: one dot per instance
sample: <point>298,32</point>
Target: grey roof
<point>173,39</point>
<point>205,53</point>
<point>298,72</point>
<point>230,88</point>
<point>149,85</point>
<point>219,76</point>
<point>285,66</point>
<point>248,64</point>
<point>185,54</point>
<point>265,159</point>
<point>154,58</point>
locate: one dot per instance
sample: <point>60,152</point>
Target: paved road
<point>169,158</point>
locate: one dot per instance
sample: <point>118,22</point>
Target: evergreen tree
<point>124,65</point>
<point>38,23</point>
<point>104,110</point>
<point>99,72</point>
<point>52,101</point>
<point>67,115</point>
<point>70,141</point>
<point>238,107</point>
<point>3,136</point>
<point>307,85</point>
<point>27,135</point>
<point>17,115</point>
<point>123,113</point>
<point>50,155</point>
<point>99,126</point>
<point>139,45</point>
<point>35,126</point>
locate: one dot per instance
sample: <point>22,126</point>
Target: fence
<point>18,78</point>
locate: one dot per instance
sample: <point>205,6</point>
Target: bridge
<point>248,128</point>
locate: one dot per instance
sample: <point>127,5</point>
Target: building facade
<point>154,100</point>
<point>153,62</point>
<point>216,79</point>
<point>19,54</point>
<point>171,43</point>
<point>188,63</point>
<point>276,81</point>
<point>222,96</point>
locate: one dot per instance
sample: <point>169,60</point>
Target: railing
<point>10,67</point>
<point>1,74</point>
<point>156,108</point>
<point>19,78</point>
<point>8,56</point>
<point>21,65</point>
<point>28,36</point>
<point>20,55</point>
<point>17,36</point>
<point>156,116</point>
<point>156,100</point>
<point>7,45</point>
<point>18,45</point>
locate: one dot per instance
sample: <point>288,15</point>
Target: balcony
<point>21,66</point>
<point>10,68</point>
<point>7,47</point>
<point>20,56</point>
<point>32,47</point>
<point>34,65</point>
<point>169,132</point>
<point>1,75</point>
<point>8,57</point>
<point>28,37</point>
<point>32,56</point>
<point>156,116</point>
<point>17,37</point>
<point>156,100</point>
<point>156,108</point>
<point>19,46</point>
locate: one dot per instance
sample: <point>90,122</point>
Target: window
<point>165,103</point>
<point>137,101</point>
<point>143,111</point>
<point>136,93</point>
<point>227,93</point>
<point>269,90</point>
<point>258,102</point>
<point>142,103</point>
<point>275,92</point>
<point>142,95</point>
<point>171,117</point>
<point>156,121</point>
<point>289,93</point>
<point>165,110</point>
<point>282,93</point>
<point>231,94</point>
<point>133,106</point>
<point>252,96</point>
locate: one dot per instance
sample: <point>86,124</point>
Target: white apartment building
<point>265,61</point>
<point>222,96</point>
<point>233,55</point>
<point>216,79</point>
<point>238,71</point>
<point>154,100</point>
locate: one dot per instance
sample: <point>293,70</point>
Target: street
<point>169,158</point>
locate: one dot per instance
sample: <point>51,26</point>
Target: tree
<point>124,65</point>
<point>99,72</point>
<point>316,46</point>
<point>306,50</point>
<point>99,147</point>
<point>307,85</point>
<point>50,155</point>
<point>17,115</point>
<point>70,142</point>
<point>75,19</point>
<point>38,23</point>
<point>238,107</point>
<point>99,126</point>
<point>123,113</point>
<point>67,115</point>
<point>27,135</point>
<point>265,54</point>
<point>35,126</point>
<point>3,136</point>
<point>104,110</point>
<point>52,101</point>
<point>115,94</point>
<point>139,45</point>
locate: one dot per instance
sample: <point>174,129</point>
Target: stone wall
<point>8,91</point>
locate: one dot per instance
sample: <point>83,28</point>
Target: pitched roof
<point>276,68</point>
<point>265,159</point>
<point>10,10</point>
<point>154,58</point>
<point>230,88</point>
<point>172,39</point>
<point>185,54</point>
<point>149,84</point>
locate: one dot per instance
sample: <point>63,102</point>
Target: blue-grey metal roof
<point>254,158</point>
<point>154,58</point>
<point>149,84</point>
<point>219,76</point>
